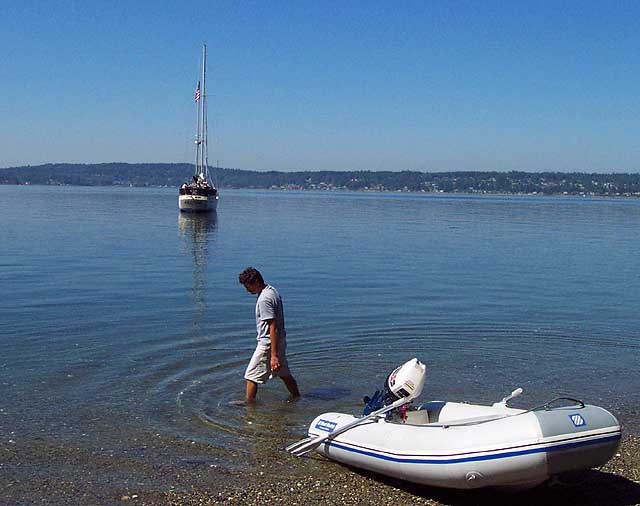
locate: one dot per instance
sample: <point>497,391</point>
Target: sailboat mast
<point>197,141</point>
<point>201,134</point>
<point>205,140</point>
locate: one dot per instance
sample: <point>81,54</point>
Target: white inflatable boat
<point>459,445</point>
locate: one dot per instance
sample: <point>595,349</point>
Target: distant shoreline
<point>160,175</point>
<point>345,190</point>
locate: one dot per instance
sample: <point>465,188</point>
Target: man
<point>270,357</point>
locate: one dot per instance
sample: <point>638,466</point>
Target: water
<point>123,320</point>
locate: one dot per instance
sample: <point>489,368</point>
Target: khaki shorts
<point>259,368</point>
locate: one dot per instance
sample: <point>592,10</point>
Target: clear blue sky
<point>318,85</point>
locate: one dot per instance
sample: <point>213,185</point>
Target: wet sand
<point>154,470</point>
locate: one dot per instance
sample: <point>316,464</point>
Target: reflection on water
<point>197,230</point>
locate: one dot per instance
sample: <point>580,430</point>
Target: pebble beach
<point>46,472</point>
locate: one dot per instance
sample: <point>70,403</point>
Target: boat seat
<point>419,417</point>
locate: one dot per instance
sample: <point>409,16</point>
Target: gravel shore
<point>617,483</point>
<point>191,474</point>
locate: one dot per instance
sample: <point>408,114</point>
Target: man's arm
<point>275,345</point>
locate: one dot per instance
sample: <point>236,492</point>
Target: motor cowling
<point>406,381</point>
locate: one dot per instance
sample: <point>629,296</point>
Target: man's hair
<point>250,275</point>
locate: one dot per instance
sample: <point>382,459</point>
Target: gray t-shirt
<point>269,307</point>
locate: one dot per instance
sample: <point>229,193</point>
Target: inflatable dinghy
<point>460,445</point>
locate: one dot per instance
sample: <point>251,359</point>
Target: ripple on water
<point>193,387</point>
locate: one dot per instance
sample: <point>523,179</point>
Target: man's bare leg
<point>292,386</point>
<point>252,391</point>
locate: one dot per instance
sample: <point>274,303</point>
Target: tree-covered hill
<point>173,175</point>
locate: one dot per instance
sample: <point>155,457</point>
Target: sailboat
<point>200,194</point>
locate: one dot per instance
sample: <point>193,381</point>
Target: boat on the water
<point>459,445</point>
<point>200,194</point>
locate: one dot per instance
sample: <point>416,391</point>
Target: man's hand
<point>275,364</point>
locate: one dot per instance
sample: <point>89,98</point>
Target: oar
<point>306,445</point>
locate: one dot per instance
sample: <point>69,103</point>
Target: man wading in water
<point>270,358</point>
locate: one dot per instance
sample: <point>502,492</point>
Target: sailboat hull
<point>197,203</point>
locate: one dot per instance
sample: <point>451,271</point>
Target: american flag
<point>197,96</point>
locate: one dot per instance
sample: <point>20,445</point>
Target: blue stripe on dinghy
<point>544,449</point>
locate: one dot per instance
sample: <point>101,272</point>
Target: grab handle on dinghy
<point>548,407</point>
<point>512,395</point>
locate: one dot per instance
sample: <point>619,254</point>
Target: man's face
<point>253,288</point>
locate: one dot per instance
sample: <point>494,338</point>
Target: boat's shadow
<point>584,488</point>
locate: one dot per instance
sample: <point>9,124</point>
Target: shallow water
<point>120,314</point>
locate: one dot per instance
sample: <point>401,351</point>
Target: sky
<point>322,85</point>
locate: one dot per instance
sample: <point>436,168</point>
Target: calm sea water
<point>117,311</point>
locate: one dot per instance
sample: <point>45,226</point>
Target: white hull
<point>197,203</point>
<point>515,449</point>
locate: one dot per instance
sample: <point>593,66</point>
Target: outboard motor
<point>405,381</point>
